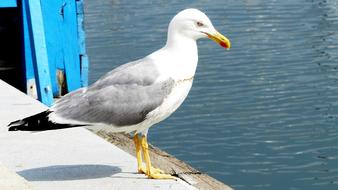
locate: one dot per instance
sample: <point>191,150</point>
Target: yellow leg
<point>140,166</point>
<point>150,171</point>
<point>138,153</point>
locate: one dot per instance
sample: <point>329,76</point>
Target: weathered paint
<point>52,19</point>
<point>61,29</point>
<point>53,42</point>
<point>84,70</point>
<point>27,58</point>
<point>84,61</point>
<point>31,88</point>
<point>71,54</point>
<point>35,30</point>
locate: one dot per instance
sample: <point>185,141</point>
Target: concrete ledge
<point>76,158</point>
<point>9,180</point>
<point>168,163</point>
<point>66,159</point>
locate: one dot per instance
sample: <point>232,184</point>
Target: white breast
<point>171,103</point>
<point>178,63</point>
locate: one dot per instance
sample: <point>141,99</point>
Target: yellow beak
<point>220,39</point>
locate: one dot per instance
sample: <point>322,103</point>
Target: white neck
<point>178,58</point>
<point>176,39</point>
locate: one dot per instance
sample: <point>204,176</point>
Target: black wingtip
<point>30,123</point>
<point>16,125</point>
<point>14,128</point>
<point>38,122</point>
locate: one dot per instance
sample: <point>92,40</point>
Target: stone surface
<point>9,180</point>
<point>67,159</point>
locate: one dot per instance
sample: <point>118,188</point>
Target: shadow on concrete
<point>69,172</point>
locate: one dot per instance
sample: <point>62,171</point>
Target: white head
<point>194,24</point>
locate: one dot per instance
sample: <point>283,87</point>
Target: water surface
<point>261,116</point>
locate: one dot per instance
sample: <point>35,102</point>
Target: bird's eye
<point>200,24</point>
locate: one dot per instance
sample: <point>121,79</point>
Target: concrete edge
<point>167,162</point>
<point>9,180</point>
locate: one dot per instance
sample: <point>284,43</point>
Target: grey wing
<point>141,72</point>
<point>121,98</point>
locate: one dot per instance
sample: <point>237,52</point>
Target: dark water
<point>263,115</point>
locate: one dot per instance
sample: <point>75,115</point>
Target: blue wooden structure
<point>55,60</point>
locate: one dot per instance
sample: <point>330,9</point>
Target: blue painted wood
<point>8,3</point>
<point>65,42</point>
<point>28,60</point>
<point>84,70</point>
<point>84,61</point>
<point>51,11</point>
<point>38,49</point>
<point>71,54</point>
<point>62,47</point>
<point>81,32</point>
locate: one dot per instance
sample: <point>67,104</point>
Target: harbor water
<point>263,115</point>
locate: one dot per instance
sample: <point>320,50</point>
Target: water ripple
<point>261,116</point>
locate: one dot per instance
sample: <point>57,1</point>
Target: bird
<point>134,96</point>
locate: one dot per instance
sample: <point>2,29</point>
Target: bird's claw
<point>153,170</point>
<point>160,176</point>
<point>155,173</point>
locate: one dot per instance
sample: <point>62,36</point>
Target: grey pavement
<point>67,159</point>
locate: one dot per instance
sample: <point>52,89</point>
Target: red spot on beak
<point>224,45</point>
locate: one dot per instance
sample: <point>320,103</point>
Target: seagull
<point>133,97</point>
